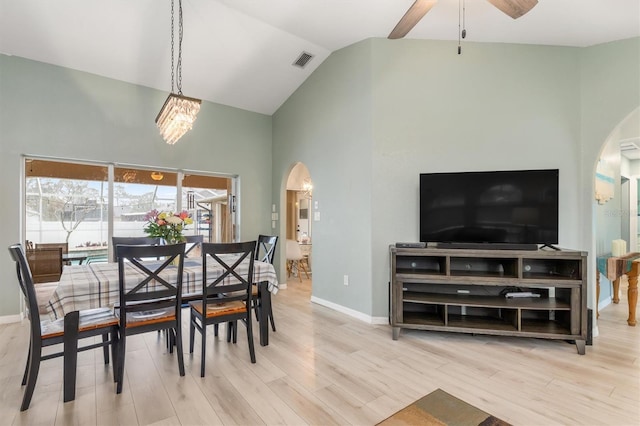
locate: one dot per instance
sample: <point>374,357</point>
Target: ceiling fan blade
<point>415,13</point>
<point>514,8</point>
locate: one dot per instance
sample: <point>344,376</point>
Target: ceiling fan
<point>513,8</point>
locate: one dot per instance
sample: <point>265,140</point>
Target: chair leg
<point>71,322</point>
<point>26,366</point>
<point>302,264</point>
<point>105,348</point>
<point>33,367</point>
<point>203,350</point>
<point>114,354</point>
<point>255,303</point>
<point>178,342</point>
<point>252,352</point>
<point>120,364</point>
<point>192,330</point>
<point>298,269</point>
<point>229,331</point>
<point>273,324</point>
<point>171,338</point>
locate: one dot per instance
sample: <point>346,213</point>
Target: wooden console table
<point>613,268</point>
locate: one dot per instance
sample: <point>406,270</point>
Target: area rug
<point>441,409</point>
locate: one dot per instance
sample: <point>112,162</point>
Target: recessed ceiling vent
<point>303,59</point>
<point>629,145</point>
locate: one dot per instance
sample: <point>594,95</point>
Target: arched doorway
<point>298,226</point>
<point>617,171</point>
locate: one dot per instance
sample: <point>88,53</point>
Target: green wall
<point>51,111</point>
<point>326,124</point>
<point>426,109</point>
<point>370,119</point>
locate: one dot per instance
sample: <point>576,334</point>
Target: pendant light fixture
<point>178,112</point>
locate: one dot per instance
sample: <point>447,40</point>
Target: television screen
<point>517,207</point>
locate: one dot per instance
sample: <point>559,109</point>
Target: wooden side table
<point>613,268</point>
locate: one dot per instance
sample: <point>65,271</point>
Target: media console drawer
<point>464,290</point>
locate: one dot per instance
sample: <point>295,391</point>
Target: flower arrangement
<point>167,225</point>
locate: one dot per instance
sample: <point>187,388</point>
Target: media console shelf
<point>463,290</point>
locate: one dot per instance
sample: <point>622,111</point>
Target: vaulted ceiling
<point>240,52</point>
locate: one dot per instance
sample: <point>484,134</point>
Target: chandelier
<point>307,188</point>
<point>178,112</point>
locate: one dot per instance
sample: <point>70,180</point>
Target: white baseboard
<point>348,311</point>
<point>605,302</point>
<point>8,319</point>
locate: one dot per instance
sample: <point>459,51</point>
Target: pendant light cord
<point>176,69</point>
<point>172,69</point>
<point>179,65</point>
<point>462,12</point>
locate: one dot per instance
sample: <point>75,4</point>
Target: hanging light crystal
<point>178,112</point>
<point>177,116</point>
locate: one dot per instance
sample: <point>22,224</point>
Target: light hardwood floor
<point>325,368</point>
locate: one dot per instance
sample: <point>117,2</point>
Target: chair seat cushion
<point>90,319</point>
<point>140,318</point>
<point>219,309</point>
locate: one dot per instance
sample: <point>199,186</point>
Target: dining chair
<point>150,295</point>
<point>64,246</point>
<point>265,252</point>
<point>193,243</point>
<point>66,331</point>
<point>226,297</point>
<point>45,264</point>
<point>115,241</point>
<point>295,259</point>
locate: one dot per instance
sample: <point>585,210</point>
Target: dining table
<point>71,257</point>
<point>95,285</point>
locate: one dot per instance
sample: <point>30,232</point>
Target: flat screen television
<point>499,209</point>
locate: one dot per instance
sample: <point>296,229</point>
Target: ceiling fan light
<point>177,117</point>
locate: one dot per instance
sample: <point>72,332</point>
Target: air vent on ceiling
<point>628,145</point>
<point>303,59</point>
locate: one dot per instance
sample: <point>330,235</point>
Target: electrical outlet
<point>346,280</point>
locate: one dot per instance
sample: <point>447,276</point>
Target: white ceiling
<point>240,52</point>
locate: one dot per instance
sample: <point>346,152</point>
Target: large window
<point>72,202</point>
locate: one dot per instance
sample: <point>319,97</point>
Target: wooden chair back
<point>63,246</point>
<point>266,248</point>
<point>233,283</point>
<point>115,241</point>
<point>25,280</point>
<point>45,264</point>
<point>155,290</point>
<point>194,242</point>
